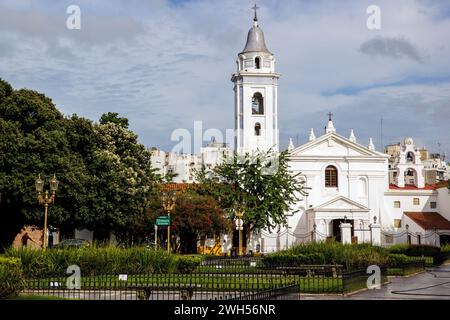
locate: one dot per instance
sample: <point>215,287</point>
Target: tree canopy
<point>105,175</point>
<point>194,217</point>
<point>259,185</point>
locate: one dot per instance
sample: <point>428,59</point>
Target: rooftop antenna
<point>439,150</point>
<point>381,134</point>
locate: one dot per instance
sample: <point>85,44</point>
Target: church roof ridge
<point>341,138</point>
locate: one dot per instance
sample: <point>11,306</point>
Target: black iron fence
<point>243,278</point>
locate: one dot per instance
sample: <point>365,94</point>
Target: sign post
<point>156,236</point>
<point>164,221</point>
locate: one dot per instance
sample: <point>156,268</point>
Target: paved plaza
<point>432,284</point>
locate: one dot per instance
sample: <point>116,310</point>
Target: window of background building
<point>397,223</point>
<point>416,201</point>
<point>396,204</point>
<point>433,205</point>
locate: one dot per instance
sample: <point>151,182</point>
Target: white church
<point>356,193</point>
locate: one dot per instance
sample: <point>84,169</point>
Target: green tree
<point>123,180</point>
<point>113,117</point>
<point>106,179</point>
<point>193,218</point>
<point>260,185</point>
<point>33,141</point>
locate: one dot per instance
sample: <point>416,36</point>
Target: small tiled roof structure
<point>429,220</point>
<point>177,186</point>
<point>443,184</point>
<point>410,187</point>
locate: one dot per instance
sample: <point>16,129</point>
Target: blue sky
<point>165,64</point>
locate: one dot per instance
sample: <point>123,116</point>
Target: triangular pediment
<point>332,144</point>
<point>340,203</point>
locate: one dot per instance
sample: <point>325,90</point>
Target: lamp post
<point>169,205</point>
<point>46,200</point>
<point>239,224</point>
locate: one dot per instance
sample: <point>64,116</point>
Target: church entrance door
<point>337,229</point>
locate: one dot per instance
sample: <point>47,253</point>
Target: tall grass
<point>101,260</point>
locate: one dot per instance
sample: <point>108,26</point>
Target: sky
<point>165,64</point>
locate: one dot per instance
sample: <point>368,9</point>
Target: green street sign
<point>163,221</point>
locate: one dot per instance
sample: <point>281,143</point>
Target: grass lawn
<point>36,297</point>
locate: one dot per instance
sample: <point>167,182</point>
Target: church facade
<point>355,193</point>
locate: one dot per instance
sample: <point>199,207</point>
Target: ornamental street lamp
<point>168,200</point>
<point>46,200</point>
<point>239,226</point>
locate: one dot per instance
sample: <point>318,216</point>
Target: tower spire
<point>255,7</point>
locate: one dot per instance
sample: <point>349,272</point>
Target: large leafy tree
<point>106,179</point>
<point>123,179</point>
<point>33,141</point>
<point>194,217</point>
<point>260,185</point>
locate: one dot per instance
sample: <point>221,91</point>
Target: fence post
<point>313,232</point>
<point>375,233</point>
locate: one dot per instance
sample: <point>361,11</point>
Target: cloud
<point>166,63</point>
<point>397,48</point>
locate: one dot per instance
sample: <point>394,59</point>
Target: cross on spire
<point>255,7</point>
<point>329,116</point>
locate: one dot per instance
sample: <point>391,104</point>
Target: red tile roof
<point>410,187</point>
<point>177,186</point>
<point>429,220</point>
<point>443,184</point>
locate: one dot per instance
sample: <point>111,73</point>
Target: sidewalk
<point>433,284</point>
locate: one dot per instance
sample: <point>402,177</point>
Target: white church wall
<point>443,202</point>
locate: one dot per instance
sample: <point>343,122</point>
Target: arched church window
<point>257,103</point>
<point>331,177</point>
<point>257,129</point>
<point>258,63</point>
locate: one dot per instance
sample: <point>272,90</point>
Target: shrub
<point>445,248</point>
<point>187,264</point>
<point>415,250</point>
<point>11,277</point>
<point>351,256</point>
<point>101,260</point>
<point>397,259</point>
<point>418,251</point>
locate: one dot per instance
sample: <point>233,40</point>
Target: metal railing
<point>244,278</point>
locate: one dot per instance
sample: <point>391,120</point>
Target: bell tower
<point>255,95</point>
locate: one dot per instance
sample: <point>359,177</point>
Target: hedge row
<point>351,256</point>
<point>11,277</point>
<point>101,260</point>
<point>416,250</point>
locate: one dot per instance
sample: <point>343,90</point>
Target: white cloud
<point>164,66</point>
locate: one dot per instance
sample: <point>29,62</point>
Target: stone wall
<point>34,233</point>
